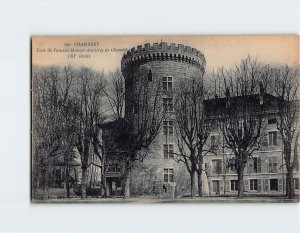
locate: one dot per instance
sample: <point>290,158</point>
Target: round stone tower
<point>166,64</point>
<point>175,62</point>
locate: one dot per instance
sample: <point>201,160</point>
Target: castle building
<point>166,64</point>
<point>265,172</point>
<point>159,174</point>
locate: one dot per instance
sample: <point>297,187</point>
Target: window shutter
<point>248,166</point>
<point>219,166</point>
<point>266,185</point>
<point>246,185</point>
<point>279,184</point>
<point>258,165</point>
<point>279,138</point>
<point>227,185</point>
<point>259,185</point>
<point>265,141</point>
<point>270,139</point>
<point>221,187</point>
<point>275,161</point>
<point>275,139</point>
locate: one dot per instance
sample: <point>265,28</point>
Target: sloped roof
<point>214,105</point>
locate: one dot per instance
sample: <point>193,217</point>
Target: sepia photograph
<point>165,119</point>
<point>149,116</point>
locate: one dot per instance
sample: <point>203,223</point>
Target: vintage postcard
<point>165,119</point>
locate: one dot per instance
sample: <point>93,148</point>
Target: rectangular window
<point>273,138</point>
<point>214,125</point>
<point>234,185</point>
<point>217,166</point>
<point>213,141</point>
<point>58,175</point>
<point>273,164</point>
<point>168,175</point>
<point>168,104</point>
<point>232,169</point>
<point>271,121</point>
<point>296,167</point>
<point>135,108</point>
<point>216,186</point>
<point>167,83</point>
<point>253,184</point>
<point>168,127</point>
<point>255,165</point>
<point>205,166</point>
<point>168,151</point>
<point>274,184</point>
<point>113,167</point>
<point>296,183</point>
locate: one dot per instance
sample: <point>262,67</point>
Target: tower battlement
<point>162,52</point>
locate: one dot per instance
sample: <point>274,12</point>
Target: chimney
<point>261,94</point>
<point>227,97</point>
<point>261,89</point>
<point>227,93</point>
<point>149,76</point>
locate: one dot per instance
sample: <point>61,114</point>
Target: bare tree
<point>89,90</point>
<point>134,133</point>
<point>52,125</point>
<point>286,87</point>
<point>241,112</point>
<point>115,93</point>
<point>192,128</point>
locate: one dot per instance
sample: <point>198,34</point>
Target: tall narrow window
<point>214,142</point>
<point>167,83</point>
<point>273,164</point>
<point>255,165</point>
<point>217,166</point>
<point>253,184</point>
<point>168,104</point>
<point>168,151</point>
<point>273,138</point>
<point>168,175</point>
<point>149,76</point>
<point>274,184</point>
<point>234,185</point>
<point>168,127</point>
<point>216,186</point>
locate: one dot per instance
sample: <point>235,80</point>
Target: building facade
<point>159,174</point>
<point>166,64</point>
<point>265,172</point>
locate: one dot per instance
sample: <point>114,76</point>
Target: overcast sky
<point>218,50</point>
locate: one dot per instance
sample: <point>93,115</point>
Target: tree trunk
<point>241,182</point>
<point>125,181</point>
<point>290,183</point>
<point>68,187</point>
<point>46,182</point>
<point>46,187</point>
<point>84,182</point>
<point>126,189</point>
<point>192,175</point>
<point>289,168</point>
<point>67,181</point>
<point>209,188</point>
<point>200,184</point>
<point>103,184</point>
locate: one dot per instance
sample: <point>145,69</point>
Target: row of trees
<point>67,109</point>
<point>239,105</point>
<point>70,104</point>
